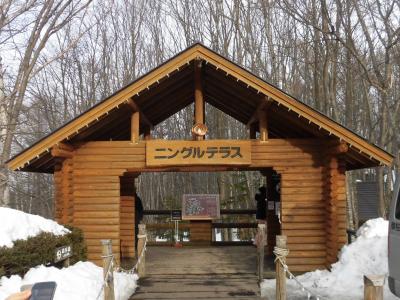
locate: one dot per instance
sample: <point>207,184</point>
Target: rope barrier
<point>105,279</point>
<point>280,254</point>
<point>135,267</point>
<point>113,266</point>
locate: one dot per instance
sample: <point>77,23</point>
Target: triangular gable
<point>197,51</point>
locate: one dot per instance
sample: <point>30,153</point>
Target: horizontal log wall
<point>97,170</point>
<point>200,232</point>
<point>97,209</point>
<point>302,202</point>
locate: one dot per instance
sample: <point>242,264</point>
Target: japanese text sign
<point>208,152</point>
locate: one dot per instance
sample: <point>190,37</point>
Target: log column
<point>253,131</point>
<point>335,196</point>
<point>135,127</point>
<point>273,226</point>
<point>199,105</point>
<point>58,195</point>
<point>64,205</point>
<point>262,118</point>
<point>147,133</point>
<point>63,154</point>
<point>127,211</point>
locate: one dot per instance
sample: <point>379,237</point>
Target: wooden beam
<point>195,169</point>
<point>135,127</point>
<point>135,108</point>
<point>62,150</point>
<point>65,146</point>
<point>61,153</point>
<point>263,106</point>
<point>340,148</point>
<point>198,97</point>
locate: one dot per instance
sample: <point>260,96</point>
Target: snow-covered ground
<point>17,225</point>
<point>82,281</point>
<point>368,254</point>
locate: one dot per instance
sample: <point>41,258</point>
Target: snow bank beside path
<point>368,254</point>
<point>82,281</point>
<point>18,225</point>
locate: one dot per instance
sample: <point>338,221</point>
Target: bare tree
<point>47,18</point>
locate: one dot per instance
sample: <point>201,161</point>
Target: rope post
<point>108,270</point>
<point>373,287</point>
<point>281,242</point>
<point>141,248</point>
<point>260,251</point>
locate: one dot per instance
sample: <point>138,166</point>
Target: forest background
<point>60,57</point>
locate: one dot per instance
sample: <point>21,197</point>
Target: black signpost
<point>176,216</point>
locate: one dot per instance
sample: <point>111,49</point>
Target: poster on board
<point>200,207</point>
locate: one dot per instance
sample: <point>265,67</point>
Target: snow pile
<point>17,225</point>
<point>366,255</point>
<point>82,281</point>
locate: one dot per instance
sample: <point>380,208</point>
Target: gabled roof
<point>169,88</point>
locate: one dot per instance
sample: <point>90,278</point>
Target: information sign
<point>62,253</point>
<point>200,207</point>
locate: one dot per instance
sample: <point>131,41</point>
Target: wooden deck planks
<point>215,273</point>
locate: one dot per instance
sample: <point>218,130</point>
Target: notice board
<point>200,207</point>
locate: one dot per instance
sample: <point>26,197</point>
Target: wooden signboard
<point>62,253</point>
<point>206,152</point>
<point>200,207</point>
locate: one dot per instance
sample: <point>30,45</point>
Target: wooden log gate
<point>96,157</point>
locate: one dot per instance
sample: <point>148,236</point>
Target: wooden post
<point>281,242</point>
<point>147,133</point>
<point>140,248</point>
<point>107,268</point>
<point>260,250</point>
<point>253,129</point>
<point>373,287</point>
<point>198,97</point>
<point>262,119</point>
<point>66,263</point>
<point>135,125</point>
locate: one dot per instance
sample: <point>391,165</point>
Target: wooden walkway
<point>199,273</point>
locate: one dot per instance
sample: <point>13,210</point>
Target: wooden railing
<point>166,212</point>
<point>185,226</point>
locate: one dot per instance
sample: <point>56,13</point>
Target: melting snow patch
<point>367,255</point>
